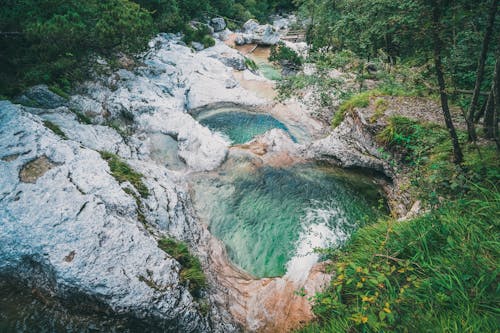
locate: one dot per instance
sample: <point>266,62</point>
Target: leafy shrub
<point>251,64</point>
<point>340,60</point>
<point>191,272</point>
<point>199,33</point>
<point>57,90</point>
<point>208,41</point>
<point>285,56</point>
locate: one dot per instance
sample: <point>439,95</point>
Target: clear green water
<point>271,219</point>
<point>269,71</point>
<point>238,125</point>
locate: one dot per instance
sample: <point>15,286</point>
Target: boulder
<point>266,35</point>
<point>197,46</point>
<point>250,25</point>
<point>260,34</point>
<point>218,23</point>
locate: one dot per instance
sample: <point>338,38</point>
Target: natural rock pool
<point>271,219</point>
<point>239,125</point>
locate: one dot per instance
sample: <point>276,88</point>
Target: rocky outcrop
<point>351,145</point>
<point>41,96</point>
<point>68,227</point>
<point>218,23</point>
<point>254,33</point>
<point>71,229</point>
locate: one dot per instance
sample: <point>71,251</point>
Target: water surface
<point>238,125</point>
<point>271,219</point>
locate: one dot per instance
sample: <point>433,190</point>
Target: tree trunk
<point>436,16</point>
<point>482,110</point>
<point>480,70</point>
<point>493,108</point>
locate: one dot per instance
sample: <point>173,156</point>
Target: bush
<point>208,41</point>
<point>198,33</point>
<point>285,56</point>
<point>191,272</point>
<point>251,64</point>
<point>361,100</point>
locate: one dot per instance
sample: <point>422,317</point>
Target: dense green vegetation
<point>124,173</point>
<point>285,56</point>
<point>191,272</point>
<point>451,44</point>
<point>436,273</point>
<point>51,41</point>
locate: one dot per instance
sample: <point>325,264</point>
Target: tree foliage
<point>49,41</point>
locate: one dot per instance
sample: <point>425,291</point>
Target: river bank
<point>106,254</point>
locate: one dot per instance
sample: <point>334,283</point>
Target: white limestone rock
<point>74,230</point>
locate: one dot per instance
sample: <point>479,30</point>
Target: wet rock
<point>218,23</point>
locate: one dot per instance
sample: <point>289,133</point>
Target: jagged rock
<point>197,46</point>
<point>41,96</point>
<point>75,232</point>
<point>350,145</point>
<point>250,25</point>
<point>258,34</point>
<point>218,23</point>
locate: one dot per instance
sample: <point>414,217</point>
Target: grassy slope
<point>435,273</point>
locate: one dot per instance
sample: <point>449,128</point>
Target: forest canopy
<point>47,41</point>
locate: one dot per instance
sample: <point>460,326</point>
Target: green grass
<point>251,64</point>
<point>360,100</point>
<point>124,173</point>
<point>436,273</point>
<point>54,128</point>
<point>59,91</point>
<point>191,272</point>
<point>82,118</point>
